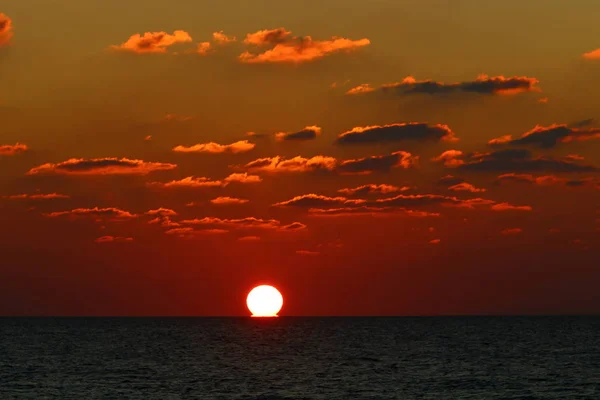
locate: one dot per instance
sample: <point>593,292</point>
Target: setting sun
<point>264,301</point>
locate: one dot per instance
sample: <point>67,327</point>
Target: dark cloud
<point>96,212</point>
<point>549,136</point>
<point>315,200</point>
<point>412,131</point>
<point>372,189</point>
<point>308,133</point>
<point>450,180</point>
<point>482,85</point>
<point>102,166</point>
<point>515,160</point>
<point>371,164</point>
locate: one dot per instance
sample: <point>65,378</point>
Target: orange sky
<point>367,158</point>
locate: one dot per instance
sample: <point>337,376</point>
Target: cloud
<point>189,182</point>
<point>307,253</point>
<point>249,238</point>
<point>368,210</point>
<point>203,48</point>
<point>484,84</point>
<point>191,232</point>
<point>228,201</point>
<point>241,146</point>
<point>315,200</point>
<point>243,178</point>
<point>244,223</point>
<point>592,55</point>
<point>109,239</point>
<point>12,149</point>
<point>164,221</point>
<point>102,166</point>
<point>419,200</point>
<point>297,164</point>
<point>6,29</point>
<point>511,231</point>
<point>308,133</point>
<point>163,212</point>
<point>547,180</point>
<point>153,42</point>
<point>510,207</point>
<point>221,38</point>
<point>411,131</point>
<point>286,48</point>
<point>169,117</point>
<point>435,241</point>
<point>449,180</point>
<point>110,213</point>
<point>516,160</point>
<point>367,165</point>
<point>360,89</point>
<point>48,196</point>
<point>373,189</point>
<point>465,187</point>
<point>548,136</point>
<point>203,182</point>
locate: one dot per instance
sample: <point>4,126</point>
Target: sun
<point>264,301</point>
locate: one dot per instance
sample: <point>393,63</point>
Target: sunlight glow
<point>264,301</point>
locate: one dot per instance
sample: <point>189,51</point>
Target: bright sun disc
<point>264,301</point>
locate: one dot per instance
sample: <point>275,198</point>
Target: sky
<point>382,157</point>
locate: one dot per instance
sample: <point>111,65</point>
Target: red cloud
<point>548,180</point>
<point>371,189</point>
<point>102,166</point>
<point>288,48</point>
<point>163,212</point>
<point>249,238</point>
<point>511,231</point>
<point>49,196</point>
<point>450,158</point>
<point>228,200</point>
<point>243,178</point>
<point>11,150</point>
<point>191,232</point>
<point>237,147</point>
<point>108,239</point>
<point>153,42</point>
<point>110,213</point>
<point>465,187</point>
<point>307,253</point>
<point>221,38</point>
<point>368,210</point>
<point>592,55</point>
<point>197,182</point>
<point>315,200</point>
<point>5,29</point>
<point>367,165</point>
<point>435,241</point>
<point>296,164</point>
<point>510,207</point>
<point>548,136</point>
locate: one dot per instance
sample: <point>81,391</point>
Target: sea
<point>435,358</point>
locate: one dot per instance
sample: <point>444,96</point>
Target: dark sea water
<point>300,358</point>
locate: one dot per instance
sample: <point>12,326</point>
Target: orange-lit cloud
<point>315,200</point>
<point>368,211</point>
<point>249,238</point>
<point>517,160</point>
<point>294,49</point>
<point>203,48</point>
<point>221,38</point>
<point>465,187</point>
<point>163,212</point>
<point>510,207</point>
<point>372,189</point>
<point>12,149</point>
<point>153,42</point>
<point>101,166</point>
<point>296,164</point>
<point>308,133</point>
<point>548,136</point>
<point>48,196</point>
<point>244,223</point>
<point>203,182</point>
<point>191,232</point>
<point>362,88</point>
<point>368,165</point>
<point>110,213</point>
<point>511,231</point>
<point>548,180</point>
<point>411,131</point>
<point>228,200</point>
<point>484,84</point>
<point>109,239</point>
<point>6,29</point>
<point>307,253</point>
<point>592,55</point>
<point>435,241</point>
<point>241,146</point>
